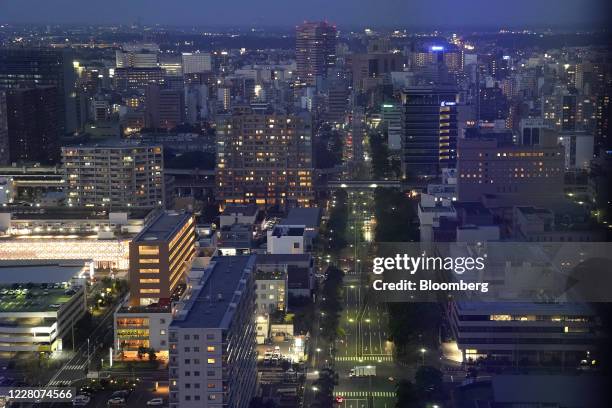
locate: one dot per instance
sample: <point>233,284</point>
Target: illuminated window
<point>148,250</point>
<point>149,270</point>
<point>210,348</point>
<point>211,361</point>
<point>149,280</point>
<point>149,260</point>
<point>500,317</point>
<point>149,291</point>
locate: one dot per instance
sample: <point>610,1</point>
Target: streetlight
<point>423,351</point>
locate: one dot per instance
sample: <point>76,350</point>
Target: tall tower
<point>430,130</point>
<point>315,51</point>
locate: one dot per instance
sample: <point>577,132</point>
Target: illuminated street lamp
<point>423,351</point>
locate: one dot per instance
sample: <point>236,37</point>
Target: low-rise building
<point>286,239</point>
<point>40,302</point>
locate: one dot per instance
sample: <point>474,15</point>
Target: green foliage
<point>331,304</point>
<point>324,396</point>
<point>429,382</point>
<point>335,231</point>
<point>381,166</point>
<point>395,216</point>
<point>406,394</point>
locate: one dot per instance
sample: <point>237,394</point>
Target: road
<point>364,322</point>
<point>76,367</point>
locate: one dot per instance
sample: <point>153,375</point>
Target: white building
<point>286,239</point>
<point>579,146</point>
<point>196,62</point>
<point>271,290</point>
<point>212,338</point>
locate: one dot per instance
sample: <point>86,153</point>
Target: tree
<point>141,352</point>
<point>407,395</point>
<point>152,355</point>
<point>324,396</point>
<point>429,381</point>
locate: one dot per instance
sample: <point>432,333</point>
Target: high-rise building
<point>212,338</point>
<point>137,56</point>
<point>4,140</point>
<point>133,79</point>
<point>159,258</point>
<point>430,130</point>
<point>33,130</point>
<point>264,158</point>
<point>392,118</point>
<point>196,62</point>
<point>165,108</point>
<point>370,69</point>
<point>315,51</point>
<point>114,174</point>
<point>337,103</point>
<point>492,104</point>
<point>33,67</point>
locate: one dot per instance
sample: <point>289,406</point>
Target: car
<point>115,401</point>
<point>155,402</point>
<point>81,400</point>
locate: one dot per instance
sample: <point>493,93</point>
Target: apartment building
<point>212,338</point>
<point>114,174</point>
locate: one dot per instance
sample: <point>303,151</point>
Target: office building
<point>392,120</point>
<point>134,79</point>
<point>159,258</point>
<point>370,69</point>
<point>165,108</point>
<point>337,103</point>
<point>212,338</point>
<point>315,51</point>
<point>4,140</point>
<point>35,67</point>
<point>492,104</point>
<point>135,57</point>
<point>40,302</point>
<point>512,174</point>
<point>114,174</point>
<point>196,62</point>
<point>430,130</point>
<point>264,159</point>
<point>33,128</point>
<point>561,333</point>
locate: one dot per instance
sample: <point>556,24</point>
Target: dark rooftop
<point>213,302</point>
<point>162,227</point>
<point>310,217</point>
<point>246,210</point>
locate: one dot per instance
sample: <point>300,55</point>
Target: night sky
<point>286,13</point>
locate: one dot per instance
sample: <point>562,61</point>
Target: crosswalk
<point>75,366</point>
<point>365,358</point>
<point>379,394</point>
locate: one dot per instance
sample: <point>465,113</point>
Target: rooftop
<point>163,227</point>
<point>213,302</point>
<point>276,259</point>
<point>33,298</point>
<point>310,217</point>
<point>284,230</point>
<point>39,271</point>
<point>245,210</point>
<point>531,308</point>
<point>72,213</point>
